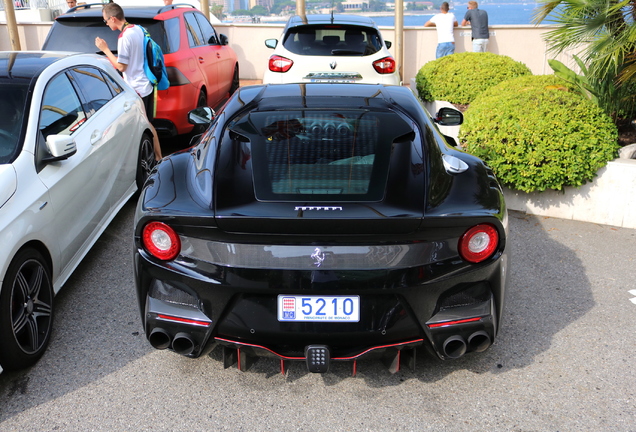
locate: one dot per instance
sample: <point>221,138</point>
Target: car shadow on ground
<point>97,330</point>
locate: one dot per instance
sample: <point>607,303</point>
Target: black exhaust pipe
<point>454,347</point>
<point>159,338</point>
<point>479,341</point>
<point>183,344</point>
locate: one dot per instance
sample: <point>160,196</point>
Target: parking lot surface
<point>564,360</point>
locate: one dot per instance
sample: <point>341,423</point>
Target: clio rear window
<point>320,155</point>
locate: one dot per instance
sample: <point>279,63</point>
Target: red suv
<point>202,68</point>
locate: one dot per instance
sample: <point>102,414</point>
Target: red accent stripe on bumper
<point>333,358</point>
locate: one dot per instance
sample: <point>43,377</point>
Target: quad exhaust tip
<point>454,347</point>
<point>183,344</point>
<point>159,339</point>
<point>479,341</point>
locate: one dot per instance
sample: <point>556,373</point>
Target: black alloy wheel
<point>202,101</point>
<point>26,310</point>
<point>146,160</point>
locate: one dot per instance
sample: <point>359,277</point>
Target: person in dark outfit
<point>478,21</point>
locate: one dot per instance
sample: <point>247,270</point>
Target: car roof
<point>94,10</point>
<point>324,95</point>
<point>300,20</point>
<point>25,65</point>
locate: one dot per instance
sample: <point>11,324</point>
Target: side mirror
<point>224,40</point>
<point>271,43</point>
<point>201,116</point>
<point>388,44</point>
<point>449,117</point>
<point>61,147</point>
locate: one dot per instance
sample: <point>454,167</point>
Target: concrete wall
<point>608,200</point>
<point>522,43</point>
<point>31,35</point>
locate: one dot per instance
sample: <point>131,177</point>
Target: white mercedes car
<point>75,145</point>
<point>331,48</point>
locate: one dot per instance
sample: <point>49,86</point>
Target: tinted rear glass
<point>332,40</point>
<point>79,36</point>
<point>318,154</point>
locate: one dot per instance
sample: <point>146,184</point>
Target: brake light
<point>478,243</point>
<point>279,64</point>
<point>385,65</point>
<point>161,241</point>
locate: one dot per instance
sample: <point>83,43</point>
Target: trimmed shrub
<point>536,133</point>
<point>459,78</point>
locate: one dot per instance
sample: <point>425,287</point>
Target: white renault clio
<point>331,48</point>
<point>75,145</point>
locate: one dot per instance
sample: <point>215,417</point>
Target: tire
<point>235,80</point>
<point>26,310</point>
<point>145,161</point>
<point>202,101</point>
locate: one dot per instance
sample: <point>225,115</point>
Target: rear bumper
<point>190,312</point>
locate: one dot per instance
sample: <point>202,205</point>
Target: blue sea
<point>498,14</point>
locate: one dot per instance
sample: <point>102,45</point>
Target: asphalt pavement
<point>564,360</point>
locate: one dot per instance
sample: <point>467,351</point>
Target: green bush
<point>536,133</point>
<point>459,78</point>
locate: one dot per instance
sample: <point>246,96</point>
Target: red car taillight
<point>279,64</point>
<point>478,243</point>
<point>385,65</point>
<point>161,241</point>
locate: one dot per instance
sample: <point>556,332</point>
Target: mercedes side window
<point>115,87</point>
<point>93,87</point>
<point>61,112</point>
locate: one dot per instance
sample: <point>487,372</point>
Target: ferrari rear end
<point>319,228</point>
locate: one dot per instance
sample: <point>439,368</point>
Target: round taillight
<point>478,243</point>
<point>280,64</point>
<point>161,241</point>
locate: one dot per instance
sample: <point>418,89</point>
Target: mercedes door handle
<point>96,136</point>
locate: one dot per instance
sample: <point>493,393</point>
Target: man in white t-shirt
<point>130,60</point>
<point>444,22</point>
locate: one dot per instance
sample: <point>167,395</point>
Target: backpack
<point>154,64</point>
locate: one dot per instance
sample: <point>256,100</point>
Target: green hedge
<point>537,134</point>
<point>459,78</point>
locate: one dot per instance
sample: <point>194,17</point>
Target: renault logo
<point>333,64</point>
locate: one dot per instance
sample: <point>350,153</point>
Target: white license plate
<point>319,308</point>
<point>335,80</point>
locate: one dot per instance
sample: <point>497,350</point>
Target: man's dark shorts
<point>149,104</point>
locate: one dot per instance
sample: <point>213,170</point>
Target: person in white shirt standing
<point>444,22</point>
<point>130,60</point>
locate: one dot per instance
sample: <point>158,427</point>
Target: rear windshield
<point>79,36</point>
<point>333,40</point>
<point>317,154</point>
